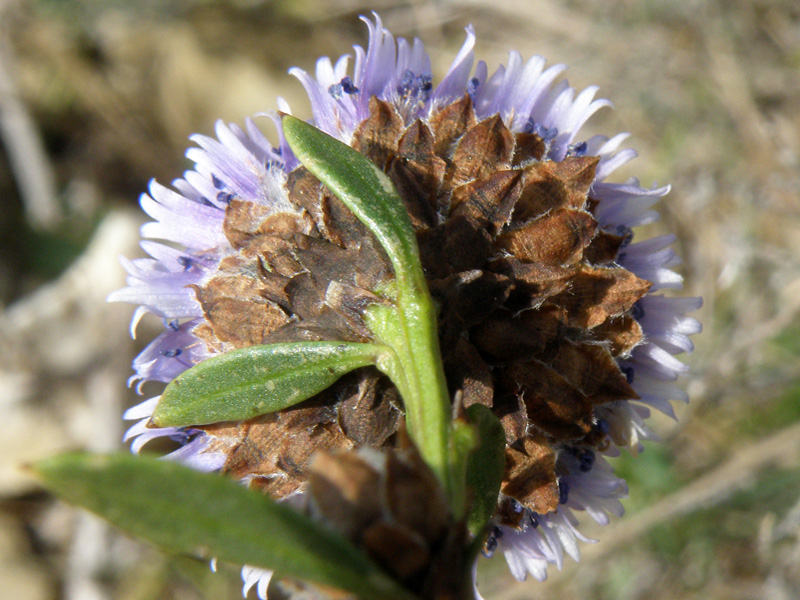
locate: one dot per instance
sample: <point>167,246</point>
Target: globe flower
<point>549,310</point>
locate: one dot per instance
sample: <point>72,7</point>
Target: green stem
<point>429,409</point>
<point>418,375</point>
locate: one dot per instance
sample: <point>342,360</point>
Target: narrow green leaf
<point>249,382</point>
<point>211,516</point>
<point>363,187</point>
<point>485,466</point>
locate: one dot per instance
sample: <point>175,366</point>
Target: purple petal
<point>454,84</point>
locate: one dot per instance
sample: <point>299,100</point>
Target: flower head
<point>548,309</point>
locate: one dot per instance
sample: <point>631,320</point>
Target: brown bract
<point>390,504</point>
<point>533,309</point>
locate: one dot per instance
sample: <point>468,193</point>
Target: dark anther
<point>532,520</point>
<point>624,232</point>
<point>347,86</point>
<point>495,533</point>
<point>491,546</point>
<point>602,426</point>
<point>344,86</point>
<point>224,197</point>
<point>425,82</point>
<point>528,127</point>
<point>472,86</point>
<point>577,149</point>
<point>172,353</point>
<point>637,311</point>
<point>174,325</point>
<point>218,183</point>
<point>547,135</point>
<point>563,491</point>
<point>415,87</point>
<point>628,372</point>
<point>187,262</point>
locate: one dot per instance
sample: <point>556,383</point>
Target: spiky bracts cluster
<point>533,307</point>
<point>546,307</point>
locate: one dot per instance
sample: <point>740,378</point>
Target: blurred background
<point>97,98</point>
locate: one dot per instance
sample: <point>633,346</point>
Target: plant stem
<point>411,330</point>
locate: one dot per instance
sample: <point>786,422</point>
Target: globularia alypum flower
<point>549,312</point>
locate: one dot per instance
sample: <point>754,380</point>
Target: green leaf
<point>485,466</point>
<point>211,516</point>
<point>249,382</point>
<point>364,189</point>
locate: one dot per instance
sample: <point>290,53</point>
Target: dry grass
<point>711,93</point>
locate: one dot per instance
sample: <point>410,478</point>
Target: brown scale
<point>389,503</point>
<point>533,308</point>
